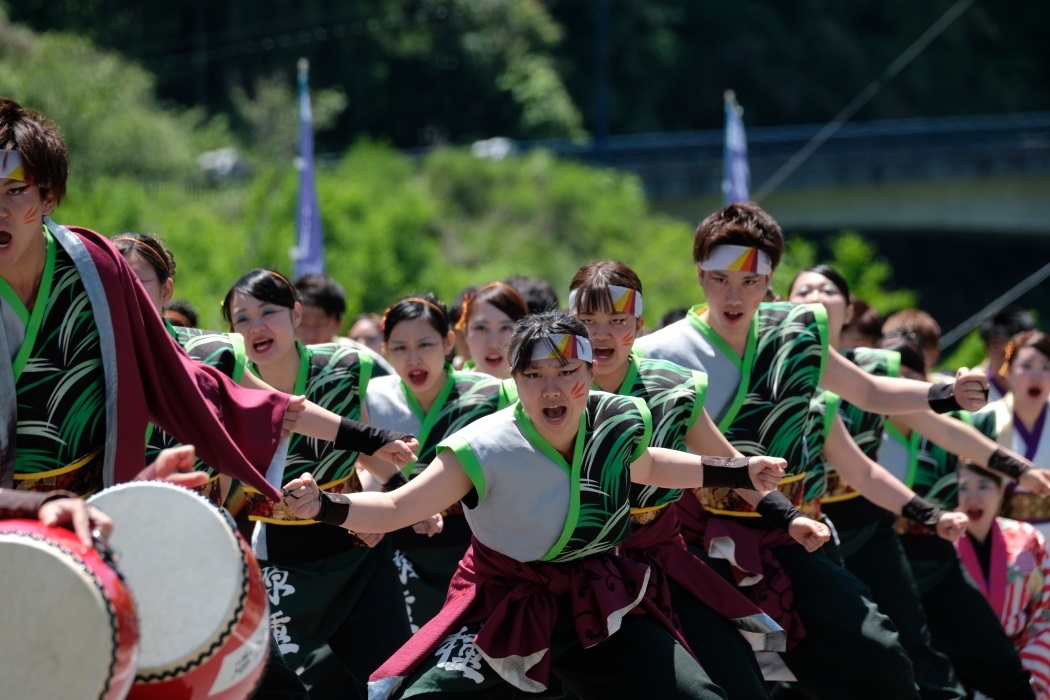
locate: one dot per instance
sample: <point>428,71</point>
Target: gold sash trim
<point>727,502</point>
<point>644,516</point>
<point>83,477</point>
<point>837,490</point>
<point>1027,506</point>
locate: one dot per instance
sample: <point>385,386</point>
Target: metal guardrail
<point>687,163</point>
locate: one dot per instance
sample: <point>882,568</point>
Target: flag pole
<point>736,174</point>
<point>308,253</point>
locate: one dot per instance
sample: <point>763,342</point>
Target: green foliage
<point>271,129</point>
<point>857,260</point>
<point>393,224</point>
<point>106,107</point>
<point>968,353</point>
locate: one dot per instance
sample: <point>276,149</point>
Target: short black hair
<point>323,292</point>
<point>537,328</point>
<point>1005,324</point>
<point>539,293</point>
<point>266,286</point>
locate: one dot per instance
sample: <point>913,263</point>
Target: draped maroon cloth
<point>233,429</point>
<point>757,572</point>
<point>516,604</point>
<point>660,545</point>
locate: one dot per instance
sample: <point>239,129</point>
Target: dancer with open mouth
<point>487,321</point>
<point>545,489</point>
<point>1009,562</point>
<point>428,399</point>
<point>765,362</point>
<point>607,298</point>
<point>868,540</point>
<point>1018,421</point>
<point>326,585</point>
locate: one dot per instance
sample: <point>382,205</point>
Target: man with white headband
<point>86,363</point>
<point>543,589</point>
<point>764,363</point>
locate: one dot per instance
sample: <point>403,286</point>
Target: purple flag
<point>308,253</point>
<point>736,175</point>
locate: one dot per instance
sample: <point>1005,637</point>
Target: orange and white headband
<point>11,166</point>
<point>738,258</point>
<point>558,346</point>
<point>624,300</point>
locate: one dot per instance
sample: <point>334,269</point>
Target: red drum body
<point>201,599</point>
<point>70,626</point>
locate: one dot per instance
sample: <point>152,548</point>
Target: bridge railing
<point>689,163</point>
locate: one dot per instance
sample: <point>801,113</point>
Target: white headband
<point>11,165</point>
<point>738,258</point>
<point>559,346</point>
<point>624,300</point>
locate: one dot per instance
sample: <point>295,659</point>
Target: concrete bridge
<point>946,174</point>
<point>959,206</point>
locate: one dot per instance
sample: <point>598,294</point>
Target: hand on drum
<point>175,465</point>
<point>399,452</point>
<point>303,496</point>
<point>766,472</point>
<point>76,515</point>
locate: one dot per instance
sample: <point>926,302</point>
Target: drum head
<point>183,563</point>
<point>60,632</point>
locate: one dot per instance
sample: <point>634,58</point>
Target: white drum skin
<point>202,602</point>
<point>71,628</point>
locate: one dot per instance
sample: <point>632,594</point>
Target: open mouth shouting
<point>493,360</point>
<point>262,345</point>
<point>733,317</point>
<point>555,415</point>
<point>603,354</point>
<point>418,377</point>
<point>5,238</point>
<point>974,513</point>
<point>1035,392</point>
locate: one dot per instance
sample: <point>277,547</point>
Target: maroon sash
<point>753,555</point>
<point>660,545</point>
<point>516,603</point>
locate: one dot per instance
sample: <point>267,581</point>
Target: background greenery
<point>141,90</point>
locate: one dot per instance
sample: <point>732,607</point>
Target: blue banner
<point>736,175</point>
<point>308,253</point>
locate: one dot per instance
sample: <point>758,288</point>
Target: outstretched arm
<point>679,470</point>
<point>441,484</point>
<point>880,487</point>
<point>969,442</point>
<point>704,438</point>
<point>894,395</point>
<point>307,418</point>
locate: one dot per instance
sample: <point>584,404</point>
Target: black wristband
<point>396,481</point>
<point>922,511</point>
<point>360,437</point>
<point>726,473</point>
<point>776,508</point>
<point>941,398</point>
<point>334,508</point>
<point>1008,464</point>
